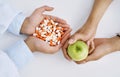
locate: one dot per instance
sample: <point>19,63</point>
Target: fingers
<point>64,49</point>
<point>40,10</point>
<point>80,62</point>
<point>88,43</point>
<point>92,57</point>
<point>75,37</point>
<point>64,39</point>
<point>89,58</point>
<point>56,19</point>
<point>67,32</point>
<point>98,41</point>
<point>64,25</point>
<point>54,49</point>
<point>44,8</point>
<point>37,14</point>
<point>92,47</point>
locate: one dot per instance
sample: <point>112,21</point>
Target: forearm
<point>116,43</point>
<point>98,11</point>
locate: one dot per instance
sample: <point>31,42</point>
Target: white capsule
<point>40,31</point>
<point>58,42</point>
<point>47,20</point>
<point>57,31</point>
<point>54,39</point>
<point>52,21</point>
<point>46,40</point>
<point>37,28</point>
<point>50,30</point>
<point>35,34</point>
<point>56,24</point>
<point>41,25</point>
<point>59,34</point>
<point>49,38</point>
<point>54,43</point>
<point>48,27</point>
<point>54,28</point>
<point>43,35</point>
<point>44,24</point>
<point>44,32</point>
<point>45,28</point>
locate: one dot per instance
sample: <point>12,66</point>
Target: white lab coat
<point>18,55</point>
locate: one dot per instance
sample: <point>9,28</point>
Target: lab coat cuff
<point>16,24</point>
<point>20,54</point>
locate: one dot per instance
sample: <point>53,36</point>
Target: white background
<point>75,12</point>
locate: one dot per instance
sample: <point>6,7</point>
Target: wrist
<point>118,43</point>
<point>115,43</point>
<point>90,26</point>
<point>93,22</point>
<point>24,25</point>
<point>30,44</point>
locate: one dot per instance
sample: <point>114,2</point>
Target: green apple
<point>78,51</point>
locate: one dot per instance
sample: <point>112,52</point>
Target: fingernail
<point>88,43</point>
<point>69,60</point>
<point>71,41</point>
<point>52,7</point>
<point>83,62</point>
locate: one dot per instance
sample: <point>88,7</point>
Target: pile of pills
<point>49,31</point>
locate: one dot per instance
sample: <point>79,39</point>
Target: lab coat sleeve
<point>7,14</point>
<point>7,66</point>
<point>16,24</point>
<point>12,20</point>
<point>20,54</point>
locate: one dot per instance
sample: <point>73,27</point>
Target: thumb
<point>75,37</point>
<point>45,8</point>
<point>91,57</point>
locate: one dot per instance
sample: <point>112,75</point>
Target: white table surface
<point>75,12</point>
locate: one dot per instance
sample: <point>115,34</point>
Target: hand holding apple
<point>103,47</point>
<point>86,33</point>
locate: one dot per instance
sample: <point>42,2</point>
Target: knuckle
<point>76,35</point>
<point>69,29</point>
<point>44,6</point>
<point>95,57</point>
<point>37,9</point>
<point>77,62</point>
<point>53,52</point>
